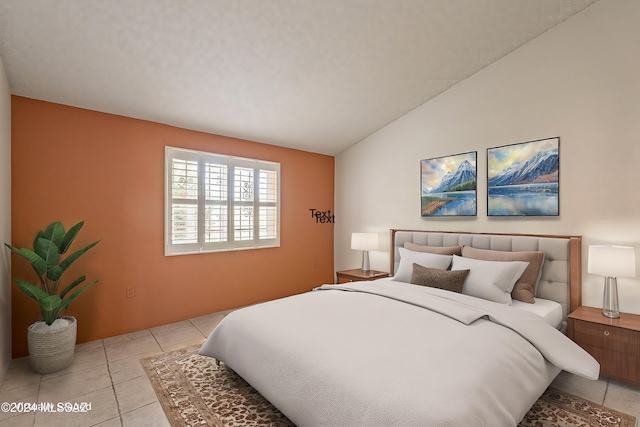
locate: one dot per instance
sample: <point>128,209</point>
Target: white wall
<point>5,222</point>
<point>579,81</point>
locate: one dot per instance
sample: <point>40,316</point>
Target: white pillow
<point>490,280</point>
<point>425,259</point>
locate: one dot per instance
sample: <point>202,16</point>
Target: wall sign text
<point>323,217</point>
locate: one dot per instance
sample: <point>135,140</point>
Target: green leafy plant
<point>46,260</point>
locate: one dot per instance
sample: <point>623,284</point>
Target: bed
<point>394,353</point>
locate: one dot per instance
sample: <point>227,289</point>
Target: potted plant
<point>52,339</point>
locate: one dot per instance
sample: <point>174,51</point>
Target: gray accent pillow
<point>442,279</point>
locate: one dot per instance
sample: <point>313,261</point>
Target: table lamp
<point>612,262</point>
<point>364,242</point>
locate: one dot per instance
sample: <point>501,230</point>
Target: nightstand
<point>614,343</point>
<point>358,275</point>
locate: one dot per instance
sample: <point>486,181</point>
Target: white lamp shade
<point>612,261</point>
<point>364,241</point>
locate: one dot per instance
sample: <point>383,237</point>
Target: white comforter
<point>387,353</point>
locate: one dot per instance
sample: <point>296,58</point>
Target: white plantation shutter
<point>215,202</point>
<point>268,199</point>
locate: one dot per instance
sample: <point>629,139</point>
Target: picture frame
<point>448,185</point>
<point>523,179</point>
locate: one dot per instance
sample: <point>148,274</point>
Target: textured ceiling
<point>317,75</point>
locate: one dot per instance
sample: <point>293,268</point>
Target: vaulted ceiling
<point>316,75</point>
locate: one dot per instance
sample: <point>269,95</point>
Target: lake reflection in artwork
<point>537,199</point>
<point>462,203</point>
<point>523,179</point>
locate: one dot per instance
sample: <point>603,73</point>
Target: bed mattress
<point>549,310</point>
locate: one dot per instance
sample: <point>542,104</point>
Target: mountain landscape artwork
<point>523,179</point>
<point>449,185</point>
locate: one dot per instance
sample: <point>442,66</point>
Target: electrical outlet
<point>131,292</point>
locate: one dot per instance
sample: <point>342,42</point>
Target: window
<point>215,202</point>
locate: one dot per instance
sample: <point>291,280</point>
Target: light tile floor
<point>107,373</point>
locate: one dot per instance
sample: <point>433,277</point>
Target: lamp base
<point>365,262</point>
<point>610,307</point>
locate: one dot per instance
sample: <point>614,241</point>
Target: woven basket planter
<point>51,347</point>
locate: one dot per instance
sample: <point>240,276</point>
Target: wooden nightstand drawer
<point>614,343</point>
<point>607,337</point>
<point>613,364</point>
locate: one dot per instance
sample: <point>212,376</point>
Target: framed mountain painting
<point>448,185</point>
<point>523,179</point>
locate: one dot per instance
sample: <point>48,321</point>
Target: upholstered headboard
<point>561,278</point>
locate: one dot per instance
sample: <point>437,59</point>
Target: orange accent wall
<point>71,164</point>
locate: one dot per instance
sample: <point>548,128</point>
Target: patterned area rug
<point>194,391</point>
